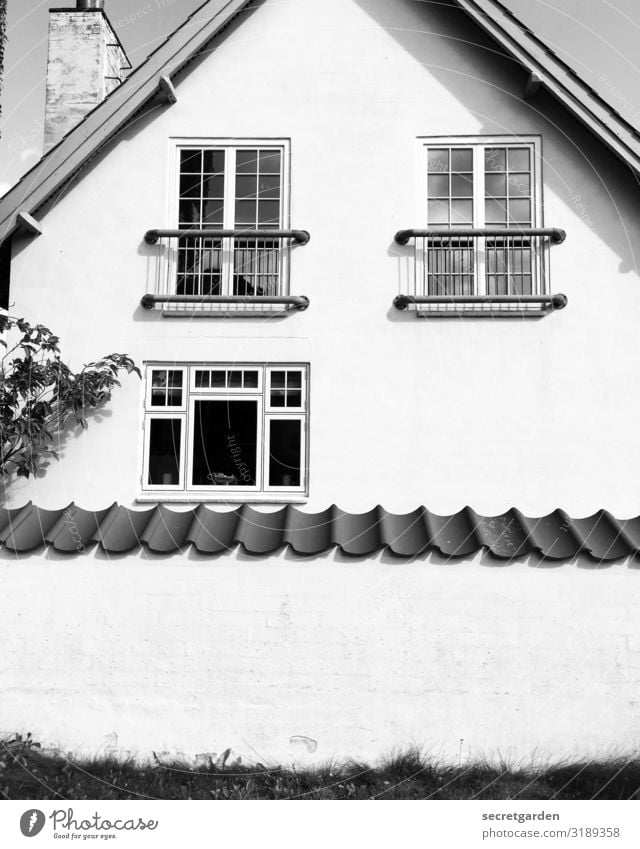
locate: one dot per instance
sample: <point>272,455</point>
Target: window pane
<point>438,160</point>
<point>495,185</point>
<point>278,379</point>
<point>461,212</point>
<point>438,212</point>
<point>251,379</point>
<point>270,161</point>
<point>495,212</point>
<point>495,159</point>
<point>519,211</point>
<point>246,187</point>
<point>189,212</point>
<point>438,185</point>
<point>202,379</point>
<point>269,212</point>
<point>175,378</point>
<point>294,380</point>
<point>212,212</point>
<point>269,188</point>
<point>190,186</point>
<point>191,161</point>
<point>519,185</point>
<point>247,162</point>
<point>246,212</point>
<point>225,442</point>
<point>213,187</point>
<point>164,452</point>
<point>519,159</point>
<point>213,162</point>
<point>285,455</point>
<point>462,160</point>
<point>218,379</point>
<point>461,185</point>
<point>235,379</point>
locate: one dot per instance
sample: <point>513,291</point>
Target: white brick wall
<point>363,656</point>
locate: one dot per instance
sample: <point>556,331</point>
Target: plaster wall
<point>356,656</point>
<point>536,414</point>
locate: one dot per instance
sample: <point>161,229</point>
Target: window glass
<point>164,452</point>
<point>225,440</point>
<point>166,388</point>
<point>285,452</point>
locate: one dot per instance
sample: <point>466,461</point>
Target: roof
<point>63,161</point>
<point>161,530</point>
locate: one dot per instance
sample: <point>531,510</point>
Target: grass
<point>26,772</point>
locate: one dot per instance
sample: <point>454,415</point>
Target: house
<point>368,254</point>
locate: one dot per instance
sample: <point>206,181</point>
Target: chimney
<point>86,62</point>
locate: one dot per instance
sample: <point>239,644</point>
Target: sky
<point>598,38</point>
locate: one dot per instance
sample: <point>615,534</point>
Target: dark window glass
<point>190,186</point>
<point>251,379</point>
<point>285,455</point>
<point>462,160</point>
<point>164,452</point>
<point>247,162</point>
<point>191,161</point>
<point>213,162</point>
<point>270,161</point>
<point>225,442</point>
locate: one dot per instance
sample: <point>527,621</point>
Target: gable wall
<point>491,413</point>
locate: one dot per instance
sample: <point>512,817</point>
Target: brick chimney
<point>86,62</point>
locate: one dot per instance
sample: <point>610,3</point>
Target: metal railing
<point>239,268</point>
<point>507,266</point>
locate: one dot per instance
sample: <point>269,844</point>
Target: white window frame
<point>161,488</point>
<point>478,145</point>
<point>168,281</point>
<point>184,491</point>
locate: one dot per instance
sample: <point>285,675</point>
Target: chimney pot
<point>89,4</point>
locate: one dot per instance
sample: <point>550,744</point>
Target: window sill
<point>236,498</point>
<point>481,306</point>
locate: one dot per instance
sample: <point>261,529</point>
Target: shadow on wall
<point>578,169</point>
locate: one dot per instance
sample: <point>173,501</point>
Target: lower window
<point>213,428</point>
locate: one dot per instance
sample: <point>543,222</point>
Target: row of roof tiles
<point>162,530</point>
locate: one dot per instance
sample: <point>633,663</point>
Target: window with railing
<point>481,244</point>
<point>231,245</point>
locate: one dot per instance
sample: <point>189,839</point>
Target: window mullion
<point>479,219</point>
<point>228,223</point>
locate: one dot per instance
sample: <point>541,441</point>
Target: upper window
<point>226,428</point>
<point>488,186</point>
<point>229,187</point>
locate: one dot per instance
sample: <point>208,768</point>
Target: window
<point>230,187</point>
<point>482,185</point>
<point>221,429</point>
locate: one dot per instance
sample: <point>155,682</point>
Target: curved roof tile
<point>163,530</point>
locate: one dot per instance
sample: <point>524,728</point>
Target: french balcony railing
<point>225,272</point>
<point>477,272</point>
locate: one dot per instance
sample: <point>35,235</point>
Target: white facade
<point>403,411</point>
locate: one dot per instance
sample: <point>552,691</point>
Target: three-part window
<point>226,428</point>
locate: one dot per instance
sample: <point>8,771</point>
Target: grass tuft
<point>28,772</point>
